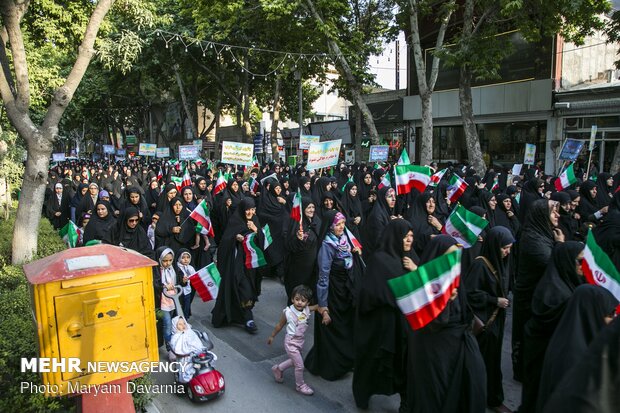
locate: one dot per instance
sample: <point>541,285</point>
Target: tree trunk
<point>188,110</point>
<point>469,125</point>
<point>358,135</point>
<point>247,124</point>
<point>354,87</point>
<point>615,163</point>
<point>275,154</point>
<point>217,114</point>
<point>426,143</point>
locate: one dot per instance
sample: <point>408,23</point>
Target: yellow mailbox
<point>93,307</point>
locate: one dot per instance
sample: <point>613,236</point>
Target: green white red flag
<point>464,226</point>
<point>437,177</point>
<point>598,267</point>
<point>254,256</point>
<point>187,179</point>
<point>354,241</point>
<point>70,234</point>
<point>206,282</point>
<point>296,211</point>
<point>385,181</point>
<point>408,177</point>
<point>178,182</point>
<point>267,235</point>
<point>220,184</point>
<point>404,158</point>
<point>566,178</point>
<point>201,215</point>
<point>424,293</point>
<point>456,188</point>
<point>253,183</point>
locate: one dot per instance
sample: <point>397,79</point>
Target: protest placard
<point>323,154</point>
<point>237,153</point>
<point>147,149</point>
<point>378,153</point>
<point>306,140</point>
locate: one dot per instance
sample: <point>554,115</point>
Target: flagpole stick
<point>588,170</point>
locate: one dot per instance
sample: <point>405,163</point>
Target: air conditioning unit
<point>561,105</point>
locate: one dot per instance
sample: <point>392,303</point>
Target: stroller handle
<point>175,297</point>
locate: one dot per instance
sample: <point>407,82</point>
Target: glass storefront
<point>502,144</point>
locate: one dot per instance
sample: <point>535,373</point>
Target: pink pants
<point>293,346</point>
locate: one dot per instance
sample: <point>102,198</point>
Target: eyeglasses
<point>133,220</point>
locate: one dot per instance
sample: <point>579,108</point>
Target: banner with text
<point>58,157</point>
<point>378,153</point>
<point>570,150</point>
<point>163,153</point>
<point>108,149</point>
<point>147,149</point>
<point>323,154</point>
<point>306,140</point>
<point>237,153</point>
<point>530,154</point>
<point>189,152</point>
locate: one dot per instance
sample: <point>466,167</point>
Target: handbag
<point>477,325</point>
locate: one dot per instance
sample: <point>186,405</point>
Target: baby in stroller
<point>186,343</point>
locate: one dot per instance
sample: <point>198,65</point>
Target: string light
<point>219,48</point>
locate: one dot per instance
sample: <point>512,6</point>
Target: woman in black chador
<point>555,288</point>
<point>271,211</point>
<point>588,311</point>
<point>380,328</point>
<point>237,293</point>
<point>445,366</point>
<point>302,248</point>
<point>487,287</point>
<point>331,356</point>
<point>174,230</point>
<point>128,233</point>
<point>426,223</point>
<point>383,210</point>
<point>100,225</point>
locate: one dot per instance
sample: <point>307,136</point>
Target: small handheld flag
<point>206,282</point>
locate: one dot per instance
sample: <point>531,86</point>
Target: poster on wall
<point>378,153</point>
<point>108,149</point>
<point>163,153</point>
<point>306,140</point>
<point>323,154</point>
<point>189,152</point>
<point>147,149</point>
<point>571,149</point>
<point>530,154</point>
<point>237,153</point>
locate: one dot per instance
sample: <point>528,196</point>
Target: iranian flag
<point>267,235</point>
<point>254,257</point>
<point>187,179</point>
<point>177,181</point>
<point>566,178</point>
<point>202,216</point>
<point>411,176</point>
<point>495,185</point>
<point>255,163</point>
<point>464,226</point>
<point>220,184</point>
<point>598,267</point>
<point>206,282</point>
<point>296,210</point>
<point>385,181</point>
<point>437,177</point>
<point>160,174</point>
<point>70,234</point>
<point>424,293</point>
<point>253,185</point>
<point>354,241</point>
<point>404,158</point>
<point>456,188</point>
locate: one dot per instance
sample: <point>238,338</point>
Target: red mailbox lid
<point>83,262</point>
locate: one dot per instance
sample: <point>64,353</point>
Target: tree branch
<point>11,16</point>
<point>64,94</point>
<point>439,44</point>
<point>220,81</point>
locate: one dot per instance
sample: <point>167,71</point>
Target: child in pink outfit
<point>295,317</point>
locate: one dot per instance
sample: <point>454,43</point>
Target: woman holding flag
<point>445,365</point>
<point>238,258</point>
<point>302,245</point>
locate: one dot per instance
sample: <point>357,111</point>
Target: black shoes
<point>250,327</point>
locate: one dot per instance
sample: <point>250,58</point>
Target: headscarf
<point>495,239</point>
<point>351,205</point>
<point>438,246</point>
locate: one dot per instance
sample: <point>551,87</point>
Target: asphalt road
<point>245,361</point>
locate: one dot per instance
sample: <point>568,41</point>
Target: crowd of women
<point>528,258</point>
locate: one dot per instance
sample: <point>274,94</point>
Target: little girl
<point>186,270</point>
<point>296,319</point>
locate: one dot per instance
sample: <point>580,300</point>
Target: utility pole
<point>397,65</point>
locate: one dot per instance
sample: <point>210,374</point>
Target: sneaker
<point>277,374</point>
<point>305,390</point>
<point>250,327</point>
